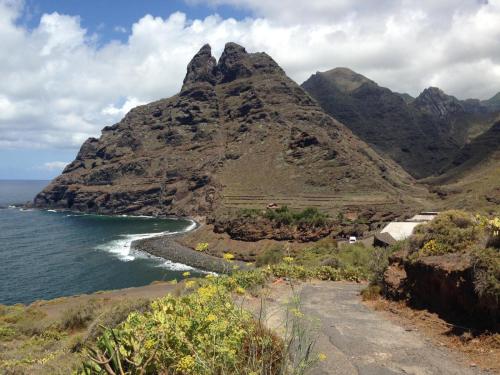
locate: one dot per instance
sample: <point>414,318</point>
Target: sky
<point>70,67</point>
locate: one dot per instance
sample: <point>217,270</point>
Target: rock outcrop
<point>239,129</point>
<point>444,284</point>
<point>435,102</point>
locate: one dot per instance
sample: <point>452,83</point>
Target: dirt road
<point>358,340</point>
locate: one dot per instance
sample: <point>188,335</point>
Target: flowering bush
<point>450,232</point>
<point>200,333</point>
<point>202,246</point>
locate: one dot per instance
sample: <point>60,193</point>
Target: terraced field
<point>326,203</point>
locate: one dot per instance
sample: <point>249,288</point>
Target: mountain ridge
<point>240,133</point>
<point>422,134</point>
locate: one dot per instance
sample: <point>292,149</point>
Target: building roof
<point>383,238</point>
<point>424,216</point>
<point>400,230</point>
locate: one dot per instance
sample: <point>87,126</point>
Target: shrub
<point>486,265</point>
<point>78,317</point>
<point>318,253</point>
<point>450,231</point>
<point>356,255</point>
<point>327,273</point>
<point>379,262</point>
<point>21,320</point>
<point>112,317</point>
<point>309,216</point>
<point>289,270</point>
<point>249,213</point>
<point>200,333</point>
<point>272,255</point>
<point>371,293</point>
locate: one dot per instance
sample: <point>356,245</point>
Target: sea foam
<point>122,248</point>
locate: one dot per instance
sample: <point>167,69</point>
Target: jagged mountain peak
<point>435,101</point>
<point>234,63</point>
<point>201,68</point>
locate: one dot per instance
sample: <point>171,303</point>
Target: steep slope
<point>473,178</point>
<point>420,143</point>
<point>422,134</point>
<point>462,119</point>
<point>493,104</point>
<point>239,134</point>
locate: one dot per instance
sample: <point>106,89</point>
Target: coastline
<point>169,248</point>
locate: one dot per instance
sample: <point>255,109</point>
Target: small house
<point>401,230</point>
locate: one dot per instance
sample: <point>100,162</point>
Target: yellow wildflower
<point>211,318</point>
<point>207,292</point>
<point>322,357</point>
<point>240,290</point>
<point>288,259</point>
<point>228,256</point>
<point>202,246</point>
<point>186,274</point>
<point>190,283</point>
<point>186,364</point>
<point>296,312</point>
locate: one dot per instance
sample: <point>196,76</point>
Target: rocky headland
<point>239,134</point>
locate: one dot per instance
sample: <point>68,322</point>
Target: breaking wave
<point>122,248</point>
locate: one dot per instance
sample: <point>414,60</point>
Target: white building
<point>401,230</point>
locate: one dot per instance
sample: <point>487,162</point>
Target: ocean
<point>47,254</point>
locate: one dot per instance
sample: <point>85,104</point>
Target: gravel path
<point>358,340</point>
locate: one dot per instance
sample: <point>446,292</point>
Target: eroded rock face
<point>238,128</point>
<point>443,284</point>
<point>434,101</point>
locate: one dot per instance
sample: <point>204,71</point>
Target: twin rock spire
<point>234,63</point>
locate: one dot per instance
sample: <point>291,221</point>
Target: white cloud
<point>120,29</point>
<point>59,86</point>
<point>54,165</point>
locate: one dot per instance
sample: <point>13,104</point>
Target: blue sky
<point>112,19</point>
<point>71,67</point>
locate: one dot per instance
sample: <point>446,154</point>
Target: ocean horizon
<point>48,254</point>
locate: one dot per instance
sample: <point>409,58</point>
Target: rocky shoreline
<point>168,248</point>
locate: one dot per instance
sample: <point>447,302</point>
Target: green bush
<point>200,333</point>
<point>112,317</point>
<point>379,261</point>
<point>78,317</point>
<point>272,255</point>
<point>486,265</point>
<point>309,216</point>
<point>249,213</point>
<point>371,293</point>
<point>357,255</point>
<point>449,232</point>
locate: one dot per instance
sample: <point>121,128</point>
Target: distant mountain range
<point>241,134</point>
<point>422,134</point>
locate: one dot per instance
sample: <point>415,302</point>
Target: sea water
<point>46,254</point>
